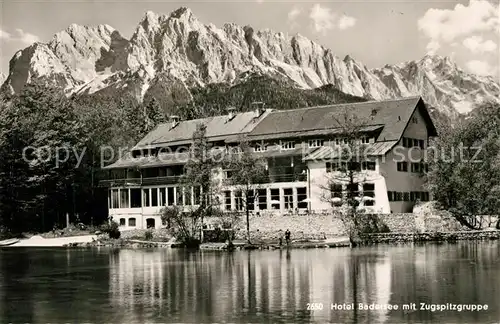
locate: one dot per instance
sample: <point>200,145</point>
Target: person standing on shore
<point>287,237</point>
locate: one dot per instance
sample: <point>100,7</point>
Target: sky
<point>373,32</point>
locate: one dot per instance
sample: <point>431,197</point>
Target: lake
<point>177,286</point>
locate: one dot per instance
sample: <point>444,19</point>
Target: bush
<point>218,235</point>
<point>185,225</point>
<point>148,236</point>
<point>370,223</point>
<point>192,243</point>
<point>111,228</point>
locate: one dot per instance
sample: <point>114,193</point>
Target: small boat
<point>8,242</point>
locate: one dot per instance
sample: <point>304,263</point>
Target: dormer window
<point>414,120</point>
<point>260,147</point>
<point>287,145</point>
<point>366,140</point>
<point>316,143</point>
<point>149,152</point>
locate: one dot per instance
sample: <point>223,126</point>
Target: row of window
<point>169,196</point>
<point>150,222</point>
<point>350,166</point>
<point>131,222</point>
<point>408,196</point>
<point>343,191</point>
<point>413,142</point>
<point>259,198</point>
<point>153,197</point>
<point>420,167</point>
<point>290,145</point>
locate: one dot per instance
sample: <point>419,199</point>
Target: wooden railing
<point>120,182</point>
<point>138,181</point>
<point>168,180</point>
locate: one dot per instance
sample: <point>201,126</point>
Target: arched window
<point>131,222</point>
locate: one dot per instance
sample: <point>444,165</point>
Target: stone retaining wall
<point>310,226</point>
<point>159,234</point>
<point>301,226</point>
<point>401,223</point>
<point>273,226</point>
<point>436,236</point>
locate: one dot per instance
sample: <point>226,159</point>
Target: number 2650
<point>314,306</point>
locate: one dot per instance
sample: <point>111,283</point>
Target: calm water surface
<point>172,286</point>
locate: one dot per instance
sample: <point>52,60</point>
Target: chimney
<point>258,107</point>
<point>174,121</point>
<point>230,114</point>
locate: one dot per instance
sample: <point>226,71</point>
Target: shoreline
<point>368,240</point>
<point>89,241</point>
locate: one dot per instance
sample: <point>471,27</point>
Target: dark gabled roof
<point>431,128</point>
<point>150,161</point>
<point>392,114</point>
<point>389,117</point>
<point>218,128</point>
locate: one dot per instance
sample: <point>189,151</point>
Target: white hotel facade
<point>300,147</point>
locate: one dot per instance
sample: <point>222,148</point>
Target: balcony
<point>149,181</point>
<point>120,182</point>
<point>167,180</point>
<point>287,177</point>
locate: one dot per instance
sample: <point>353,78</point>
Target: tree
<point>154,115</point>
<point>464,175</point>
<point>41,137</point>
<point>104,122</point>
<point>134,121</point>
<point>248,174</point>
<point>346,170</point>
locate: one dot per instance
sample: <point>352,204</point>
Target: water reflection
<point>136,286</point>
<point>277,285</point>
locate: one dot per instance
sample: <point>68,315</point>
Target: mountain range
<point>175,56</point>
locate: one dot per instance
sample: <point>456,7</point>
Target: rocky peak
<point>150,21</point>
<point>77,35</point>
<point>348,59</point>
<point>84,59</point>
<point>182,13</point>
<point>434,61</point>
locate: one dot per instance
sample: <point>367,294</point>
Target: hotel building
<point>301,151</point>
